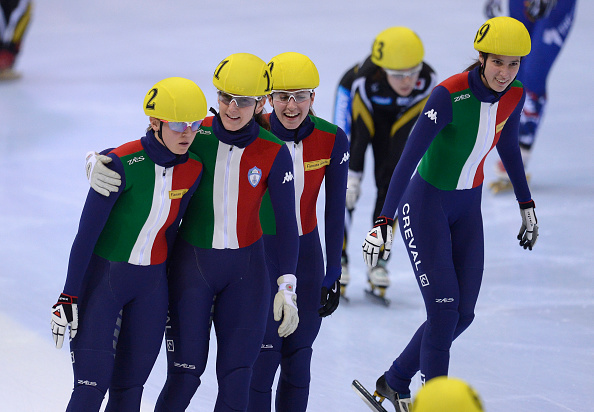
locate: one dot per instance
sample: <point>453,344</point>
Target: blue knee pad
<point>234,390</point>
<point>85,398</point>
<point>293,385</point>
<point>124,399</point>
<point>177,392</point>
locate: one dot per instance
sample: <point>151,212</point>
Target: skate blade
<point>368,398</point>
<point>9,74</point>
<point>504,185</point>
<point>343,295</point>
<point>377,298</point>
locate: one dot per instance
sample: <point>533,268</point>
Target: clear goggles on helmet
<point>182,126</point>
<point>240,101</point>
<point>402,74</point>
<point>299,96</point>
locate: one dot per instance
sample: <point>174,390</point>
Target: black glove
<point>330,299</point>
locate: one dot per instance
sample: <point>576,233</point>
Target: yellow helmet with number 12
<point>504,36</point>
<point>397,48</point>
<point>175,99</point>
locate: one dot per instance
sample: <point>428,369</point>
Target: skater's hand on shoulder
<point>330,299</point>
<point>285,305</point>
<point>380,235</point>
<point>102,179</point>
<point>64,313</point>
<point>529,230</point>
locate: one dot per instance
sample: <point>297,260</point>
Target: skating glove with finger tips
<point>330,299</point>
<point>380,235</point>
<point>102,179</point>
<point>285,305</point>
<point>529,229</point>
<point>64,313</point>
<point>353,189</point>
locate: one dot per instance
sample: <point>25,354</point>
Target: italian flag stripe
<point>482,146</point>
<point>141,252</point>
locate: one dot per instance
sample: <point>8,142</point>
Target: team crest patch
<point>254,176</point>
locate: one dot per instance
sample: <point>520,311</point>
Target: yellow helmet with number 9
<point>243,74</point>
<point>503,35</point>
<point>175,99</point>
<point>397,48</point>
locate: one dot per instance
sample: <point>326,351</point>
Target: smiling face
<point>290,113</point>
<point>499,71</point>
<point>234,117</point>
<point>177,142</point>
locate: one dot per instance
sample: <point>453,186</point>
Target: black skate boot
<point>401,401</point>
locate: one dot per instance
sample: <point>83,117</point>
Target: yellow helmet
<point>503,35</point>
<point>175,99</point>
<point>397,48</point>
<point>243,74</point>
<point>293,71</point>
<point>443,394</point>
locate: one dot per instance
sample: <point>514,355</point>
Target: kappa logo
<point>288,177</point>
<point>345,157</point>
<point>254,176</point>
<point>135,159</point>
<point>432,115</point>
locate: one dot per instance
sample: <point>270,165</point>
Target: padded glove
<point>353,189</point>
<point>285,305</point>
<point>330,299</point>
<point>380,235</point>
<point>64,313</point>
<point>102,179</point>
<point>529,230</point>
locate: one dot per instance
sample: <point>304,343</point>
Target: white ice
<point>85,69</point>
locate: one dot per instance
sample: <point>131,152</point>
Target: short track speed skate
<point>378,283</point>
<point>402,403</point>
<point>368,398</point>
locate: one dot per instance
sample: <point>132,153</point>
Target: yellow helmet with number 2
<point>397,48</point>
<point>503,35</point>
<point>175,99</point>
<point>293,71</point>
<point>443,394</point>
<point>243,74</point>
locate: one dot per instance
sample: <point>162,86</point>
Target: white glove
<point>353,189</point>
<point>380,235</point>
<point>285,305</point>
<point>493,8</point>
<point>64,312</point>
<point>529,230</point>
<point>102,179</point>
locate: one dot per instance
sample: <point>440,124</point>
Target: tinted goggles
<point>402,74</point>
<point>240,101</point>
<point>182,126</point>
<point>299,96</point>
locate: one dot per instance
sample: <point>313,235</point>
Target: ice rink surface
<point>85,69</point>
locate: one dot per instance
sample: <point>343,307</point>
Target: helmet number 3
<point>378,50</point>
<point>150,104</point>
